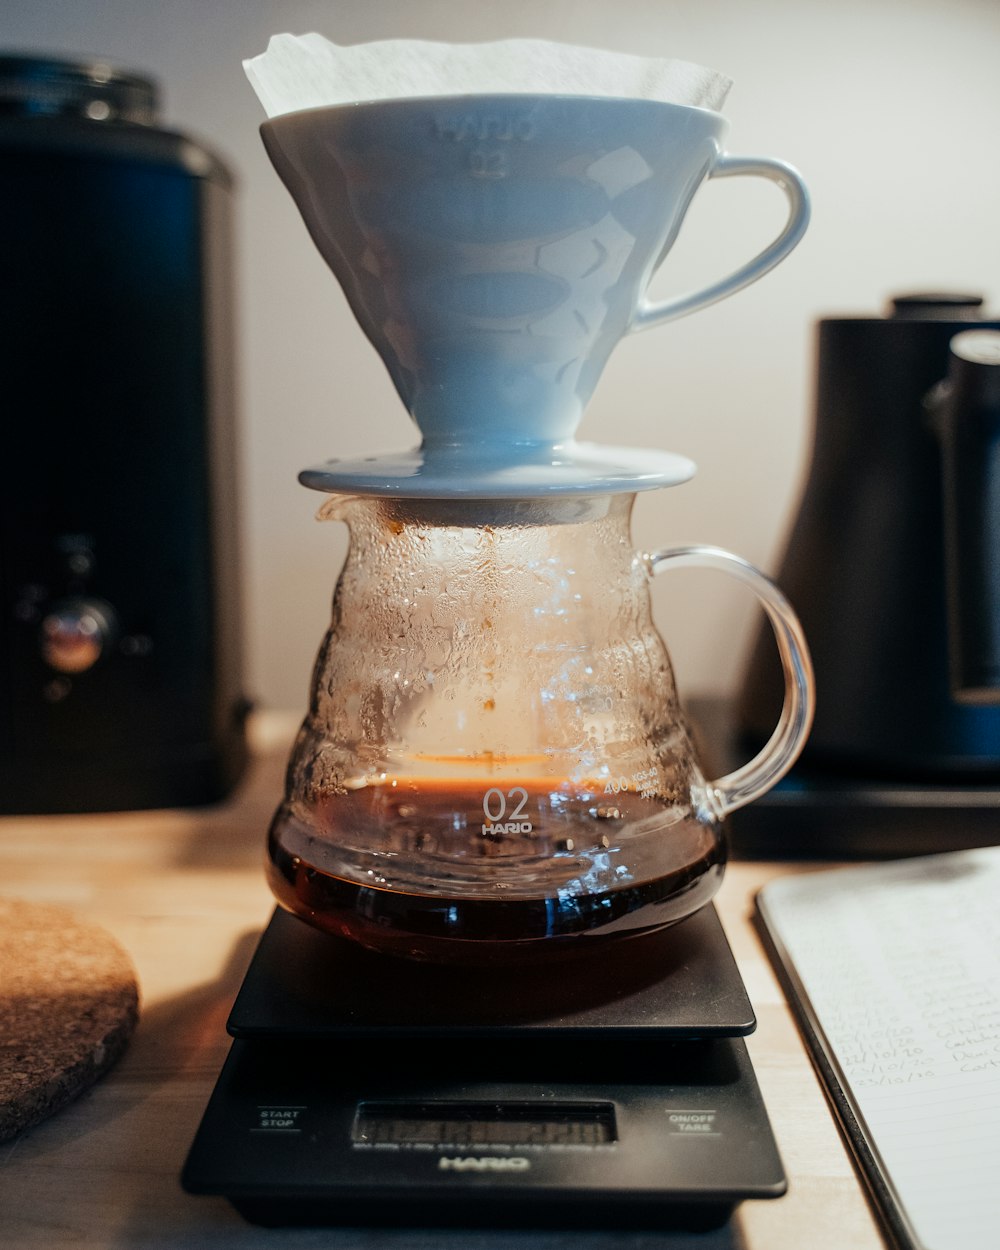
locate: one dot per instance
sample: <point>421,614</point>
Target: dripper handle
<point>790,181</point>
<point>780,752</point>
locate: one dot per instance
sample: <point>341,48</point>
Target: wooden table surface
<point>184,893</point>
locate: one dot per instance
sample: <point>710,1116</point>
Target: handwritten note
<point>895,969</point>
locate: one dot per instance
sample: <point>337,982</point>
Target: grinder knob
<point>76,633</point>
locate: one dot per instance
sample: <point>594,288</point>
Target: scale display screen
<point>463,1124</point>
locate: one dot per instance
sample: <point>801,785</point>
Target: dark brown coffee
<point>384,868</point>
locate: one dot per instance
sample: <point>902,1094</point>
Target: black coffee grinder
<point>893,564</point>
<point>121,665</point>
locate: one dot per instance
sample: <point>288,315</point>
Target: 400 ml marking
<point>644,784</point>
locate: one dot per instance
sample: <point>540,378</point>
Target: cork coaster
<point>68,1005</point>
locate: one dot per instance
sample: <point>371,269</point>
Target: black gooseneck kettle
<point>893,562</point>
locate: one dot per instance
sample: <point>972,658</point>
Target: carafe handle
<point>790,181</point>
<point>766,768</point>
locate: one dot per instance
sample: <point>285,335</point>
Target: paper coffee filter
<point>309,71</point>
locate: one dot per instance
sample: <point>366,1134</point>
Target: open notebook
<point>893,971</point>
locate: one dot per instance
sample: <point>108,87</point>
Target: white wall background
<point>890,108</point>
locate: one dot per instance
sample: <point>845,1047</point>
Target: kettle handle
<point>966,409</point>
<point>780,752</point>
<point>790,181</point>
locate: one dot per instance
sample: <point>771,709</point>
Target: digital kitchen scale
<point>616,1090</point>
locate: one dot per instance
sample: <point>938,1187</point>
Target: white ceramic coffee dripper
<point>495,250</point>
